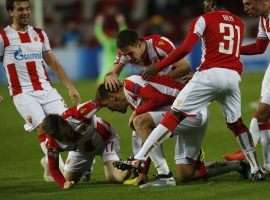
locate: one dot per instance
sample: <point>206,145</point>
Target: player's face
<point>133,53</point>
<point>67,133</point>
<point>252,7</point>
<point>21,13</point>
<point>117,102</point>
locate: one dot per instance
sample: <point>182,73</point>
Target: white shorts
<point>188,138</point>
<point>80,162</point>
<point>34,106</point>
<point>265,91</point>
<point>218,84</point>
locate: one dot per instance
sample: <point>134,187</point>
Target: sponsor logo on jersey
<point>19,55</point>
<point>161,43</point>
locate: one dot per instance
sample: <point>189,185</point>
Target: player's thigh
<point>188,142</point>
<point>30,109</point>
<point>196,95</point>
<point>76,164</point>
<point>53,103</point>
<point>156,117</point>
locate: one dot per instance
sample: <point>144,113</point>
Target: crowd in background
<point>71,22</point>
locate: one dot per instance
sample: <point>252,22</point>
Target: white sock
<point>157,136</point>
<point>157,156</point>
<point>245,142</point>
<point>265,140</point>
<point>136,143</point>
<point>254,130</point>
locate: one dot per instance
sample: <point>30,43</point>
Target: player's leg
<point>195,96</point>
<point>231,105</point>
<point>76,164</point>
<point>144,124</point>
<point>109,155</point>
<point>31,110</point>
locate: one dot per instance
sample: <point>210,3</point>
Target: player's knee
<point>237,127</point>
<point>263,116</point>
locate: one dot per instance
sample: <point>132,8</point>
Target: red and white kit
<point>158,47</point>
<point>155,96</point>
<point>264,34</point>
<point>28,81</point>
<point>93,137</point>
<point>218,76</point>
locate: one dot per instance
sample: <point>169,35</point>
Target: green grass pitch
<point>21,174</point>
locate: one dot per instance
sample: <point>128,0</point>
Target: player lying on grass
<point>85,136</point>
<point>149,100</point>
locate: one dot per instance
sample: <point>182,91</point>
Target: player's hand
<point>150,71</point>
<point>130,121</point>
<point>186,78</point>
<point>161,73</point>
<point>99,19</point>
<point>74,96</point>
<point>69,184</point>
<point>1,98</point>
<point>112,82</point>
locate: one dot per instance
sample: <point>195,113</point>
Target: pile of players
<point>167,100</point>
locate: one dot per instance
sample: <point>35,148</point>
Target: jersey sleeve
<point>120,59</point>
<point>53,162</point>
<point>46,44</point>
<point>198,26</point>
<point>261,31</point>
<point>153,99</point>
<point>164,46</point>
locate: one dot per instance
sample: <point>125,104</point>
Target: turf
<point>21,173</point>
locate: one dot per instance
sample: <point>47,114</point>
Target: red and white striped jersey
<point>222,34</point>
<point>158,47</point>
<point>144,96</point>
<point>22,59</point>
<point>264,28</point>
<point>88,127</point>
<point>91,134</point>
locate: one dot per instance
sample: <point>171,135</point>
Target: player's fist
<point>69,184</point>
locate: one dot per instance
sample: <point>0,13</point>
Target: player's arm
<point>182,68</point>
<point>153,98</point>
<point>53,162</point>
<point>257,47</point>
<point>61,75</point>
<point>98,29</point>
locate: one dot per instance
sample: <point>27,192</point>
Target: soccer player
<point>260,124</point>
<point>85,135</point>
<point>149,100</point>
<point>217,79</point>
<point>142,52</point>
<point>24,50</point>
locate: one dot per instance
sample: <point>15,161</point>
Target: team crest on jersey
<point>178,102</point>
<point>161,43</point>
<point>36,38</point>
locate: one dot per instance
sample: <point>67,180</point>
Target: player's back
<point>222,35</point>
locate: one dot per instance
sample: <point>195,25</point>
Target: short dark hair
<point>221,3</point>
<point>52,125</point>
<point>10,4</point>
<point>126,38</point>
<point>102,93</point>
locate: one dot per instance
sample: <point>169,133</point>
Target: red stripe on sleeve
<point>40,34</point>
<point>32,71</point>
<point>14,79</point>
<point>5,38</point>
<point>24,37</point>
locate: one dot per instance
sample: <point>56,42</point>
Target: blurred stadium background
<point>82,57</point>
